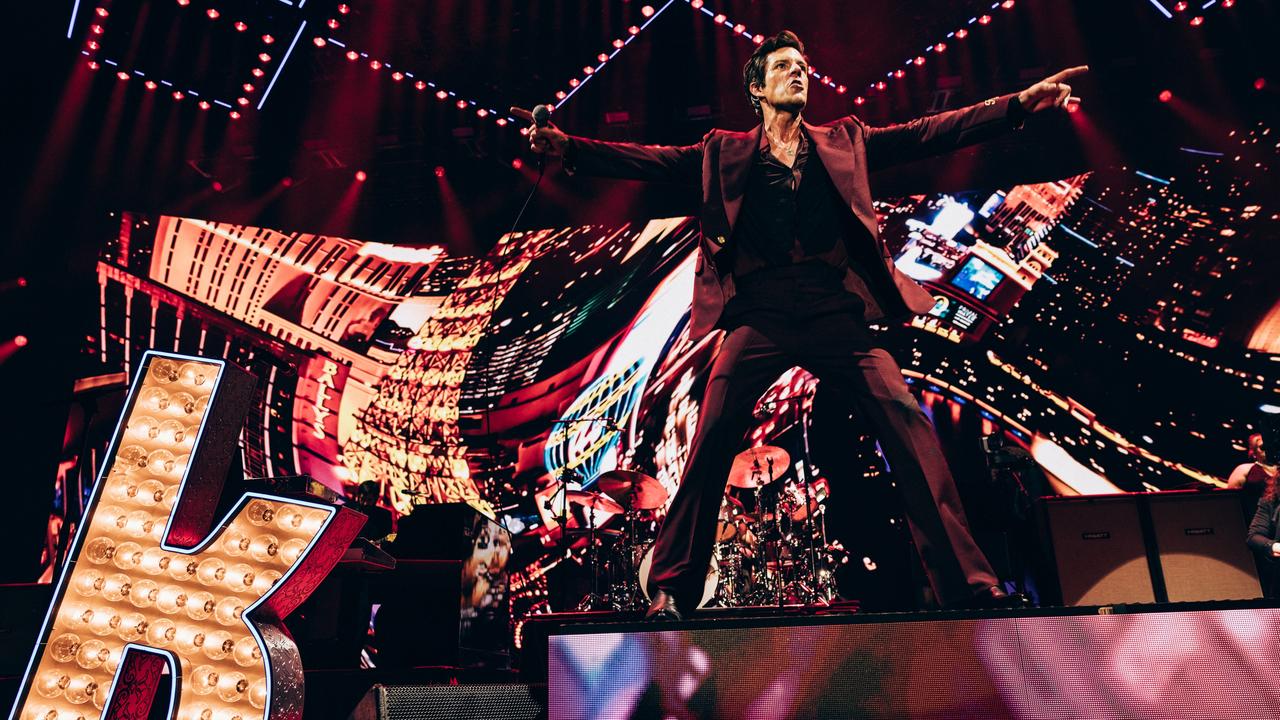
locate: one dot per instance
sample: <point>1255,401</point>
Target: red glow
<point>441,95</point>
<point>1007,4</point>
<point>919,60</point>
<point>696,4</point>
<point>984,20</point>
<point>374,64</point>
<point>739,28</point>
<point>482,113</point>
<point>333,24</point>
<point>962,33</point>
<point>462,104</point>
<point>184,3</point>
<point>1179,7</point>
<point>122,75</point>
<point>242,101</point>
<point>22,282</point>
<point>619,43</point>
<point>95,29</point>
<point>217,186</point>
<point>501,122</point>
<point>248,87</point>
<point>420,85</point>
<point>647,11</point>
<point>633,30</point>
<point>940,47</point>
<point>587,70</point>
<point>841,89</point>
<point>267,39</point>
<point>880,85</point>
<point>177,95</point>
<point>102,12</point>
<point>264,57</point>
<point>1260,83</point>
<point>517,163</point>
<point>286,181</point>
<point>319,41</point>
<point>343,9</point>
<point>352,55</point>
<point>213,14</point>
<point>240,26</point>
<point>20,340</point>
<point>234,115</point>
<point>899,73</point>
<point>719,19</point>
<point>439,171</point>
<point>1228,3</point>
<point>204,104</point>
<point>859,100</point>
<point>361,176</point>
<point>758,39</point>
<point>397,76</point>
<point>92,45</point>
<point>150,84</point>
<point>1197,21</point>
<point>560,95</point>
<point>1165,96</point>
<point>573,82</point>
<point>603,57</point>
<point>93,65</point>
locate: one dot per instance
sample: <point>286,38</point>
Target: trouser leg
<point>954,564</point>
<point>745,366</point>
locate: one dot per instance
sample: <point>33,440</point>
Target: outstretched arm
<point>954,129</point>
<point>627,161</point>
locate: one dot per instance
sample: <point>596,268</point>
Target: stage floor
<point>1165,662</point>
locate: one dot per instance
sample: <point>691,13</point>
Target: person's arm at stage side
<point>954,129</point>
<point>1235,481</point>
<point>1262,531</point>
<point>625,161</point>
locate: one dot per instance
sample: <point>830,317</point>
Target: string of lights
<point>1180,9</point>
<point>590,71</point>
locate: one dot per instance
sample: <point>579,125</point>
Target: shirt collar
<point>763,146</point>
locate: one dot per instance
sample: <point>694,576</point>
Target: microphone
<point>541,115</point>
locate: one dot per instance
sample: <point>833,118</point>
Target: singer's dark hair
<point>753,71</point>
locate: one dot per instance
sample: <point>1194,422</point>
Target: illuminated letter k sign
<point>151,580</point>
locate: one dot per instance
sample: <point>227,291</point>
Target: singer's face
<point>786,80</point>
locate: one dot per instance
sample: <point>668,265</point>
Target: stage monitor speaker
<point>1201,541</point>
<point>1096,544</point>
<point>495,701</point>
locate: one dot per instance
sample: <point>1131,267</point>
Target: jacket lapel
<point>736,152</point>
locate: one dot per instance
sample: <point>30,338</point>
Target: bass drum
<point>708,589</point>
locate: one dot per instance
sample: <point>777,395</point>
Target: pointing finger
<point>1068,73</point>
<point>521,113</point>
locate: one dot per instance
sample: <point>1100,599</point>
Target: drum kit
<point>771,545</point>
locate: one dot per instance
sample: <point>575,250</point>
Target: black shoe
<point>995,598</point>
<point>663,608</point>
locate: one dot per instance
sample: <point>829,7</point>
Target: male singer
<point>792,267</point>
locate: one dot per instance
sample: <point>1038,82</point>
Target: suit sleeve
<point>1262,531</point>
<point>941,133</point>
<point>629,161</point>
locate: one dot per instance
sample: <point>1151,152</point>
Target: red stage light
<point>397,76</point>
<point>286,181</point>
<point>240,26</point>
<point>1260,83</point>
<point>1165,96</point>
<point>20,340</point>
<point>899,73</point>
<point>462,104</point>
<point>587,70</point>
<point>560,94</point>
<point>1179,7</point>
<point>184,3</point>
<point>482,113</point>
<point>150,85</point>
<point>95,29</point>
<point>501,122</point>
<point>248,87</point>
<point>1228,3</point>
<point>633,30</point>
<point>352,55</point>
<point>122,75</point>
<point>603,57</point>
<point>758,39</point>
<point>517,163</point>
<point>319,41</point>
<point>880,85</point>
<point>739,28</point>
<point>647,11</point>
<point>204,105</point>
<point>217,186</point>
<point>102,12</point>
<point>234,115</point>
<point>619,43</point>
<point>177,95</point>
<point>441,95</point>
<point>1073,107</point>
<point>1007,4</point>
<point>93,65</point>
<point>962,34</point>
<point>439,171</point>
<point>213,14</point>
<point>242,101</point>
<point>343,9</point>
<point>940,47</point>
<point>375,65</point>
<point>841,89</point>
<point>333,24</point>
<point>859,100</point>
<point>696,4</point>
<point>361,176</point>
<point>719,19</point>
<point>264,57</point>
<point>267,39</point>
<point>92,45</point>
<point>919,60</point>
<point>573,82</point>
<point>420,85</point>
<point>22,282</point>
<point>984,20</point>
<point>1197,21</point>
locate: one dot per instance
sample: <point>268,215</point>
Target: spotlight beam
<point>283,62</point>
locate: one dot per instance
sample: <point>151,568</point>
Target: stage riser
<point>1157,665</point>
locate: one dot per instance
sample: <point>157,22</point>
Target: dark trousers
<point>805,322</point>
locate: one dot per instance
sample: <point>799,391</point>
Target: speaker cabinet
<point>1097,549</point>
<point>495,701</point>
<point>1200,539</point>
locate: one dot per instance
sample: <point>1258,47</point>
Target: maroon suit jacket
<point>849,150</point>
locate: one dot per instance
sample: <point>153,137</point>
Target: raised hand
<point>547,140</point>
<point>1052,91</point>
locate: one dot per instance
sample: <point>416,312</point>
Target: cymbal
<point>593,500</point>
<point>758,466</point>
<point>632,489</point>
